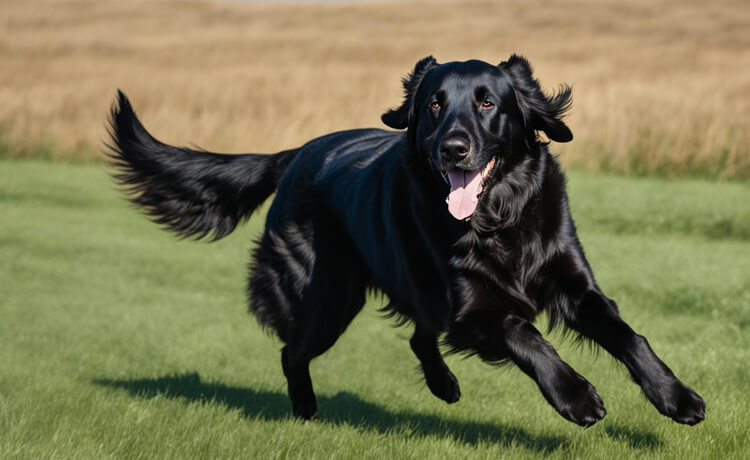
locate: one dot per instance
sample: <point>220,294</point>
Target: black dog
<point>367,209</point>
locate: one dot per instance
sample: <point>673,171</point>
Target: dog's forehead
<point>465,75</point>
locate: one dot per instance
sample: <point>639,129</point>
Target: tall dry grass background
<point>660,87</point>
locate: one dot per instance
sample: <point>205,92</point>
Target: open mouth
<point>466,186</point>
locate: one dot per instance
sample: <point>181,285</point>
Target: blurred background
<point>660,87</point>
<point>117,341</point>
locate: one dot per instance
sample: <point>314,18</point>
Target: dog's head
<point>468,117</point>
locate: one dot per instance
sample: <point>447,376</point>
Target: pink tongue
<point>464,195</point>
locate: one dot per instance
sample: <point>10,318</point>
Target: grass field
<point>116,340</point>
<point>660,87</point>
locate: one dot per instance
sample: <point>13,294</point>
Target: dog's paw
<point>582,404</point>
<point>444,385</point>
<point>305,409</point>
<point>681,404</point>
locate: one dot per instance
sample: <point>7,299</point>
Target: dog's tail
<point>190,192</point>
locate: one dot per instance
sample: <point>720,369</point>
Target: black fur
<point>186,190</point>
<point>366,209</point>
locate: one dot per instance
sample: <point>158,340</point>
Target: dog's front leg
<point>440,380</point>
<point>596,317</point>
<point>567,391</point>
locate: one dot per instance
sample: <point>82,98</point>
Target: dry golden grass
<point>659,87</point>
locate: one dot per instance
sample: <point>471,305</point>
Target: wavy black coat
<point>363,209</point>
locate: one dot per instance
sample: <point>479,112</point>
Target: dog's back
<point>347,215</point>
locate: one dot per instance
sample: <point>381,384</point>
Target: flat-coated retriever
<point>462,220</point>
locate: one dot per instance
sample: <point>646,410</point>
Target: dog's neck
<point>514,183</point>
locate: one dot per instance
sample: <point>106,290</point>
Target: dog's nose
<point>454,148</point>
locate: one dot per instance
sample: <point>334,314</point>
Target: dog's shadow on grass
<point>348,409</point>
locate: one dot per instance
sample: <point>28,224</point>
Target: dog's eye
<point>487,104</point>
<point>435,105</point>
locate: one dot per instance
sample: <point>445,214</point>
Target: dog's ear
<point>399,118</point>
<point>540,112</point>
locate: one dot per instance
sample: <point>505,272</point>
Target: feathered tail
<point>190,192</point>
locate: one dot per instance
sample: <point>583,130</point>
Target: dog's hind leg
<point>313,339</point>
<point>299,384</point>
<point>332,295</point>
<point>568,392</point>
<point>440,380</point>
<point>329,313</point>
<point>279,277</point>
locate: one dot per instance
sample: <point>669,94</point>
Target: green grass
<point>117,340</point>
